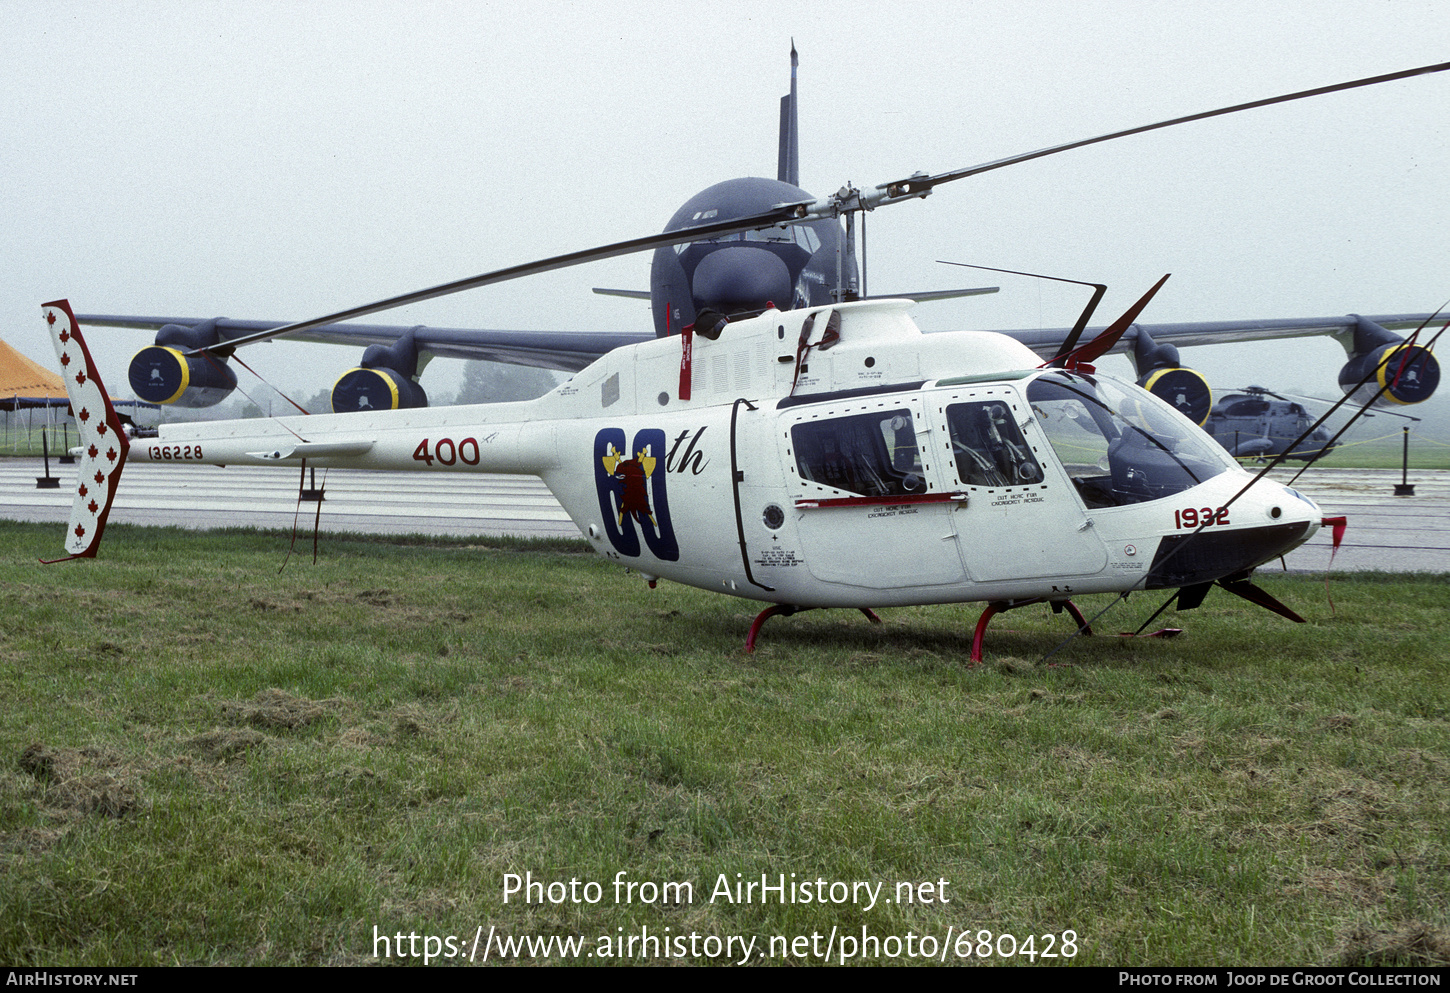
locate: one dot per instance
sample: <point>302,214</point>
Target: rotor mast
<point>847,285</point>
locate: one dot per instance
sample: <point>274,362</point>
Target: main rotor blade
<point>919,185</point>
<point>631,294</point>
<point>1378,410</point>
<point>927,296</point>
<point>780,214</point>
<point>1070,342</point>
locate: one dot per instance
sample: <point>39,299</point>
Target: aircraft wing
<point>568,351</point>
<point>571,351</point>
<point>1046,341</point>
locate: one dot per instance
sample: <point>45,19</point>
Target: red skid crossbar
<point>785,610</point>
<point>1002,606</point>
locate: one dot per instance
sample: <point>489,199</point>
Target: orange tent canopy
<point>24,383</point>
<point>22,379</point>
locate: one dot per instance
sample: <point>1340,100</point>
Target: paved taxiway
<point>1400,534</point>
<point>266,497</point>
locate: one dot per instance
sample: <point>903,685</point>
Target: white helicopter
<point>828,455</point>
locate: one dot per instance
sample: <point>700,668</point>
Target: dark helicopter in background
<point>1259,423</point>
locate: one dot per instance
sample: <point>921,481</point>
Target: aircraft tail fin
<point>103,440</point>
<point>788,162</point>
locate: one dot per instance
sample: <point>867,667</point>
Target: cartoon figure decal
<point>632,492</point>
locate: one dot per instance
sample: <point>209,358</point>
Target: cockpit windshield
<point>792,234</point>
<point>1120,444</point>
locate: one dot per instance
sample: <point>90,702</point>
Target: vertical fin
<point>788,161</point>
<point>103,439</point>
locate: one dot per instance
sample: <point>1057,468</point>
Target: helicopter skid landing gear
<point>1001,606</point>
<point>785,610</point>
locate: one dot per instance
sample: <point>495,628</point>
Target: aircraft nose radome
<point>741,278</point>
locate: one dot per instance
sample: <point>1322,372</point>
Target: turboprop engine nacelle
<point>1399,373</point>
<point>1160,374</point>
<point>384,380</point>
<point>165,373</point>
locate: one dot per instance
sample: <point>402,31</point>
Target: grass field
<point>205,760</point>
<point>22,440</point>
<point>1387,452</point>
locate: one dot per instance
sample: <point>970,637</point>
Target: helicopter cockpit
<point>1121,445</point>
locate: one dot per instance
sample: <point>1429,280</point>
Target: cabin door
<point>871,507</point>
<point>1021,518</point>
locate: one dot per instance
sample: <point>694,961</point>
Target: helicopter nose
<point>1281,520</point>
<point>741,278</point>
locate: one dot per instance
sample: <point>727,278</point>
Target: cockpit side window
<point>989,446</point>
<point>1120,445</point>
<point>870,454</point>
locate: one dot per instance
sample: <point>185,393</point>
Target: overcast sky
<point>284,160</point>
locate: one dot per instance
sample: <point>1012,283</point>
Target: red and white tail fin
<point>103,439</point>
